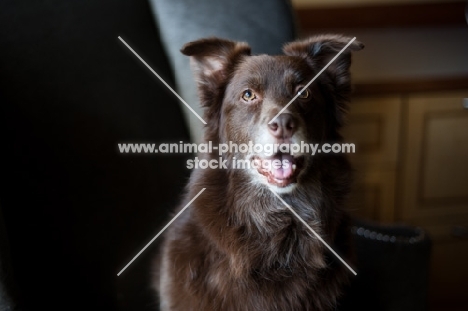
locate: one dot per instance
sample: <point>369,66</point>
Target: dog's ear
<point>212,60</point>
<point>318,51</point>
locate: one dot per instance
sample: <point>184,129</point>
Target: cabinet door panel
<point>435,177</point>
<point>434,189</point>
<point>374,127</point>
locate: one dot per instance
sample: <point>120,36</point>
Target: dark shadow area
<point>76,210</point>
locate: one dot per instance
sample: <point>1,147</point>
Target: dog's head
<point>243,96</point>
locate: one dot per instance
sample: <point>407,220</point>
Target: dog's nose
<point>283,126</point>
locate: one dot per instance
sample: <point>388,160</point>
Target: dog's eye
<point>303,93</point>
<point>248,95</point>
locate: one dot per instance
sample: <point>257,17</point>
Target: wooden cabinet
<point>434,187</point>
<point>411,166</point>
<point>435,163</point>
<point>374,127</point>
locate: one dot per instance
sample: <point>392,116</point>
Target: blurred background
<point>409,120</point>
<point>74,211</point>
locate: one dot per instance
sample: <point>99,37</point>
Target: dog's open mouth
<point>280,169</point>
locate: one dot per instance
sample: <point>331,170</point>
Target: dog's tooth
<point>294,167</point>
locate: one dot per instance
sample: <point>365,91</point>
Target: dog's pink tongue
<point>285,171</point>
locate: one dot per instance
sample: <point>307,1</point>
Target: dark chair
<point>75,210</point>
<point>392,268</point>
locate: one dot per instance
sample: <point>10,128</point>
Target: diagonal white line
<point>164,82</point>
<point>315,233</point>
<point>316,76</point>
<point>157,235</point>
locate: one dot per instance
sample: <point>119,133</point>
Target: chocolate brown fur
<point>237,247</point>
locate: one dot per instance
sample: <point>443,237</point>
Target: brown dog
<point>237,247</point>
